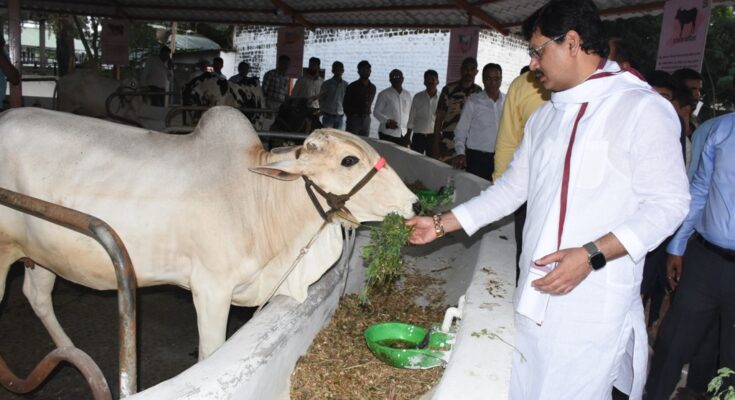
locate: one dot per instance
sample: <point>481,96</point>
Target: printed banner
<point>462,44</point>
<point>114,41</point>
<point>683,34</point>
<point>291,43</point>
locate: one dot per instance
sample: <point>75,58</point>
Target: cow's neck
<point>296,219</point>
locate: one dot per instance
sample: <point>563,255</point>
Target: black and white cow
<point>209,90</point>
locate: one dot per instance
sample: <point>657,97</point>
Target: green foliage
<point>715,386</point>
<point>719,65</point>
<point>383,253</point>
<point>429,204</point>
<point>641,36</point>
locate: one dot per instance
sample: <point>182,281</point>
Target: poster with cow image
<point>683,34</point>
<point>114,41</point>
<point>291,43</point>
<point>462,44</point>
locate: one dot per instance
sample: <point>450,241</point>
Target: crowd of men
<point>425,122</point>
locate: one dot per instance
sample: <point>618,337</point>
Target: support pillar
<point>16,91</point>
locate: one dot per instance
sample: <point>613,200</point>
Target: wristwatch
<point>595,256</point>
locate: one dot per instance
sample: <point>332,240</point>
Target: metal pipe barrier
<point>100,231</point>
<point>72,355</point>
<point>181,109</point>
<point>121,94</point>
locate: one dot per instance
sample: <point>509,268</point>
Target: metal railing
<point>100,231</point>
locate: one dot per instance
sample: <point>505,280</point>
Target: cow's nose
<point>417,207</point>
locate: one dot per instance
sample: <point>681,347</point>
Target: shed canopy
<point>501,15</point>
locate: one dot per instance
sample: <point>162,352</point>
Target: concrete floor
<point>167,335</point>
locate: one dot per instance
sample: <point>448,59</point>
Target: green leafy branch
<point>383,254</point>
<point>492,335</point>
<point>715,385</point>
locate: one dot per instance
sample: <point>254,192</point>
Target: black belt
<point>726,254</point>
<point>425,134</point>
<point>487,153</point>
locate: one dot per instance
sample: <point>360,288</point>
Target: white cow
<point>201,211</point>
<point>85,93</point>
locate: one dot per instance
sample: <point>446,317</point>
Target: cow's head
<point>337,161</point>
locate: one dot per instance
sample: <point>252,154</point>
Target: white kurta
<point>626,177</point>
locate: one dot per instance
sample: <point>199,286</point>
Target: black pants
<point>359,125</point>
<point>401,141</point>
<point>705,293</point>
<point>480,163</point>
<point>157,99</point>
<point>654,283</point>
<point>421,142</point>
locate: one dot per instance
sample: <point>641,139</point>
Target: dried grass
<point>339,365</point>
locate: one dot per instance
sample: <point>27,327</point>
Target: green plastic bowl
<point>396,344</point>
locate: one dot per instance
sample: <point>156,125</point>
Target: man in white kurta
<point>580,330</point>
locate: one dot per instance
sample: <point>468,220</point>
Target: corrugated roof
<point>502,15</point>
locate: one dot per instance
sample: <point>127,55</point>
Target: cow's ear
<point>284,170</point>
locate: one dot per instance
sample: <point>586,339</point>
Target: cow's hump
<point>226,123</point>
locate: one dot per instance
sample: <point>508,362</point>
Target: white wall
<point>413,51</point>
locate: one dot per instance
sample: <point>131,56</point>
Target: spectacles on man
<point>535,52</point>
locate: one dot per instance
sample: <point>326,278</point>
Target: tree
<point>64,28</point>
<point>719,64</point>
<point>640,36</point>
<point>88,31</point>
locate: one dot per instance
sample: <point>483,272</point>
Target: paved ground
<point>167,335</point>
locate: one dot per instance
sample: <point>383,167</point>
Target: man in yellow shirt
<point>525,95</point>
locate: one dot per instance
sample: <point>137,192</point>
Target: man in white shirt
<point>601,169</point>
<point>423,114</point>
<point>156,74</point>
<point>392,109</point>
<point>310,85</point>
<point>477,129</point>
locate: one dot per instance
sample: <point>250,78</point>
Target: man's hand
<point>459,161</point>
<point>390,124</point>
<point>423,230</point>
<point>571,269</point>
<point>674,266</point>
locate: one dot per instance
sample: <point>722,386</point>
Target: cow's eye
<point>350,161</point>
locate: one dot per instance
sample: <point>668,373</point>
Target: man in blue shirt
<point>701,263</point>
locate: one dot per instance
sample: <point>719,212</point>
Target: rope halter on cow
<point>336,202</point>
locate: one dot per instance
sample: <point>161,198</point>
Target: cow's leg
<point>37,286</point>
<point>212,298</point>
<point>8,255</point>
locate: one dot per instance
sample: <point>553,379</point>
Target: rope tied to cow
<point>302,253</point>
